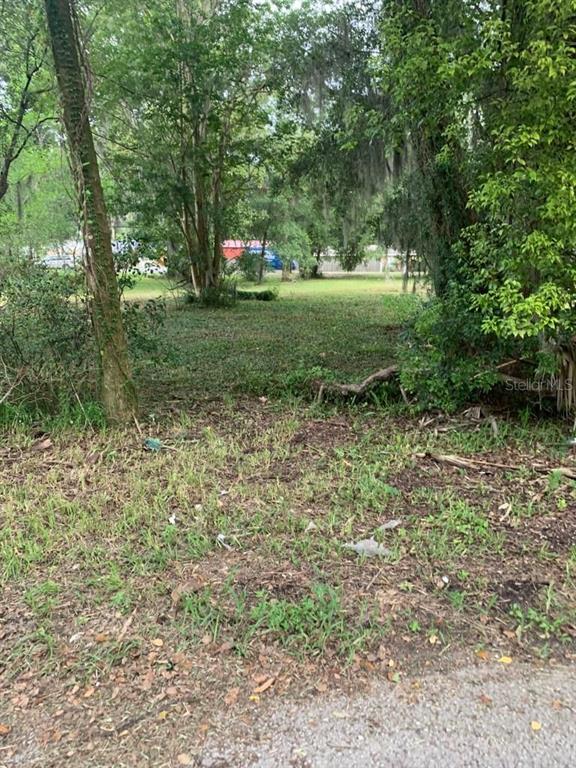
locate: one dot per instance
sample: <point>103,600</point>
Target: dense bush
<point>488,180</point>
<point>144,325</point>
<point>252,265</point>
<point>446,358</point>
<point>214,296</point>
<point>48,360</point>
<point>268,295</point>
<point>227,294</point>
<point>45,342</point>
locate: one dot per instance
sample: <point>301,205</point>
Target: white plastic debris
<point>389,525</point>
<point>221,539</point>
<point>369,547</point>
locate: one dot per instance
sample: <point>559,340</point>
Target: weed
<point>453,530</point>
<point>457,599</point>
<point>41,598</point>
<point>203,613</point>
<point>532,618</point>
<point>555,480</point>
<point>309,624</point>
<point>549,616</point>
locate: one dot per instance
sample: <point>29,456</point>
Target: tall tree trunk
<point>186,225</point>
<point>217,232</point>
<point>262,261</point>
<point>117,389</point>
<point>406,275</point>
<point>19,207</point>
<point>202,180</point>
<point>202,227</point>
<point>315,271</point>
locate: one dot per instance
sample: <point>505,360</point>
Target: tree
<point>430,122</point>
<point>188,87</point>
<point>481,109</point>
<point>22,57</point>
<point>117,389</point>
<point>330,91</point>
<point>279,208</point>
<point>40,208</point>
<point>522,250</point>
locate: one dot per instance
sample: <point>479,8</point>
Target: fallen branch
<point>354,390</point>
<point>564,471</point>
<point>463,463</point>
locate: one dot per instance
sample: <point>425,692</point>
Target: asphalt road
<point>490,716</point>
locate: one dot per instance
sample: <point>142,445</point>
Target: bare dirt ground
<point>484,713</point>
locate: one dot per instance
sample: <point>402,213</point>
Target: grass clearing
<point>234,501</point>
<point>150,287</point>
<point>339,327</point>
<point>218,560</point>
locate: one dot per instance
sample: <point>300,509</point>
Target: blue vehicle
<point>273,260</point>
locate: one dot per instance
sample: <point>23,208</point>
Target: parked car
<point>232,249</point>
<point>272,258</point>
<point>66,255</point>
<point>59,262</point>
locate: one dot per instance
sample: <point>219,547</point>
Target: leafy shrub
<point>144,325</point>
<point>48,358</point>
<point>125,259</point>
<point>46,348</point>
<point>252,266</point>
<point>446,359</point>
<point>223,295</point>
<point>227,294</point>
<point>267,295</point>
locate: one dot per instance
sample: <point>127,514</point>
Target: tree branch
<point>346,390</point>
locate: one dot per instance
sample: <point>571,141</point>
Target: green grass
<point>146,288</point>
<point>256,489</point>
<point>357,285</point>
<point>453,531</point>
<point>341,328</point>
<point>285,487</point>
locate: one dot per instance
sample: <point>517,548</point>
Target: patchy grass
<point>154,586</point>
<point>233,495</point>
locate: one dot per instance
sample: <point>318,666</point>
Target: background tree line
<point>443,129</point>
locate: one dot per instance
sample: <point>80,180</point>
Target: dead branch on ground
<point>354,390</point>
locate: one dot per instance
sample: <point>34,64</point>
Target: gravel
<point>488,715</point>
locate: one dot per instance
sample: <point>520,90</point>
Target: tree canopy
<point>441,129</point>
